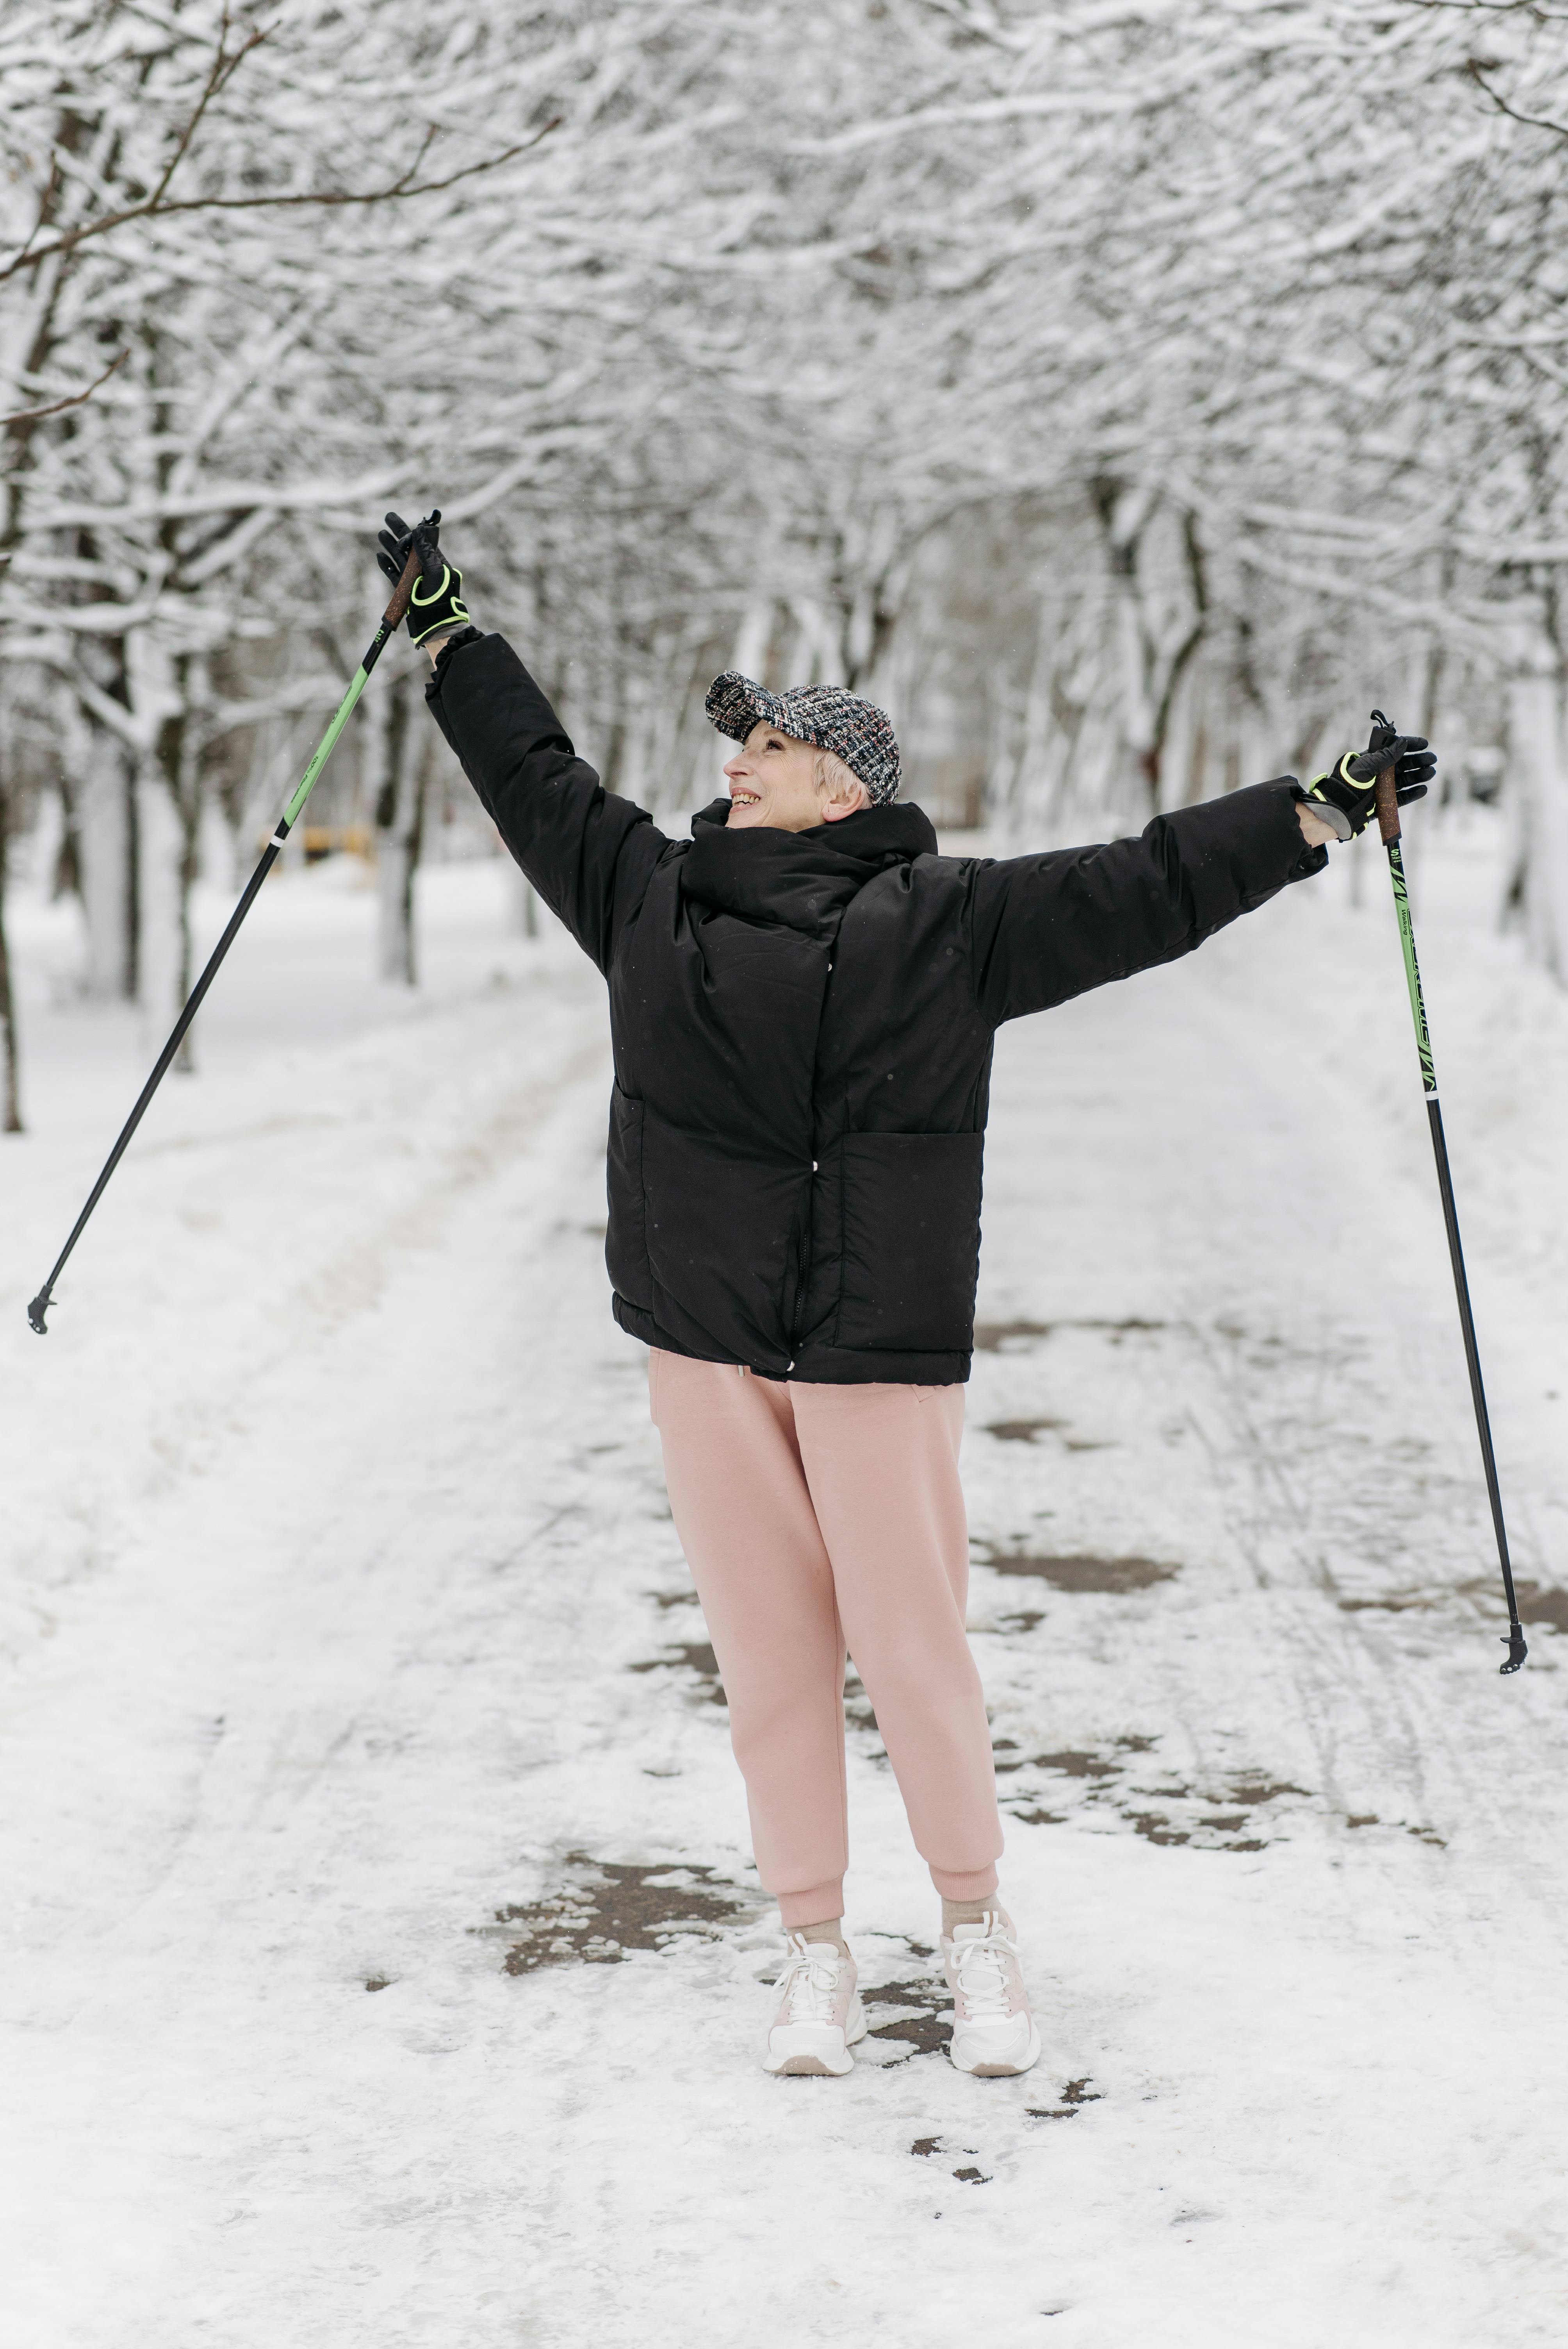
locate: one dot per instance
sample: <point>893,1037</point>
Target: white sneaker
<point>994,2033</point>
<point>820,2015</point>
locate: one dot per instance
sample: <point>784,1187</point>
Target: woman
<point>802,1002</point>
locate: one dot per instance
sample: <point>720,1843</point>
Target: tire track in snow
<point>270,1234</point>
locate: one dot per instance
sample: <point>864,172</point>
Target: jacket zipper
<point>804,1275</point>
<point>803,1271</point>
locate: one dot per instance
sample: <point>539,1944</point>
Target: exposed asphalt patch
<point>1234,1815</point>
<point>695,1656</point>
<point>1008,1337</point>
<point>1538,1603</point>
<point>1081,1572</point>
<point>1390,1606</point>
<point>1251,1791</point>
<point>1013,1337</point>
<point>921,2019</point>
<point>925,2147</point>
<point>1074,2097</point>
<point>1155,1826</point>
<point>1398,1826</point>
<point>1078,1762</point>
<point>604,1910</point>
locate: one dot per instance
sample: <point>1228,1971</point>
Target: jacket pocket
<point>626,1237</point>
<point>910,1241</point>
<point>724,1233</point>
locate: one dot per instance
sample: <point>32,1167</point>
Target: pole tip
<point>36,1310</point>
<point>1517,1650</point>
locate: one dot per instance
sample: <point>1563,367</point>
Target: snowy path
<point>346,1617</point>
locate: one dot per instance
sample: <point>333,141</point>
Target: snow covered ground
<point>382,1959</point>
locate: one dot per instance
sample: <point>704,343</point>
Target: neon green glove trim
<point>1322,807</point>
<point>456,614</point>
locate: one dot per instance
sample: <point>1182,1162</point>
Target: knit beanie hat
<point>855,730</point>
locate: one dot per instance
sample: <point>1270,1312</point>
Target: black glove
<point>1346,797</point>
<point>436,607</point>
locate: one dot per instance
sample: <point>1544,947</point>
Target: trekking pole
<point>390,619</point>
<point>1388,825</point>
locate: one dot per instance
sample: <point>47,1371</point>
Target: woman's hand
<point>1341,804</point>
<point>436,609</point>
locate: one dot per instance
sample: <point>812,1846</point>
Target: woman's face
<point>772,782</point>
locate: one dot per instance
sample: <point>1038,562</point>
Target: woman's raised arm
<point>588,854</point>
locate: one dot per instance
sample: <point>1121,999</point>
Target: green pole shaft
<point>328,743</point>
<point>1412,968</point>
<point>1388,825</point>
<point>390,620</point>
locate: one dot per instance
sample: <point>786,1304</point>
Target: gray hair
<point>830,775</point>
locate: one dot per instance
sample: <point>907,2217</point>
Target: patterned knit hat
<point>856,731</point>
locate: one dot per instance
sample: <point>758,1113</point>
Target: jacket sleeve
<point>589,853</point>
<point>1048,928</point>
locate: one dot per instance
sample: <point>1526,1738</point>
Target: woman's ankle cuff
<point>820,1905</point>
<point>972,1884</point>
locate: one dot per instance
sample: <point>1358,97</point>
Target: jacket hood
<point>804,879</point>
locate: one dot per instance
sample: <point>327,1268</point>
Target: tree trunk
<point>10,1082</point>
<point>105,831</point>
<point>395,864</point>
<point>754,643</point>
<point>1155,645</point>
<point>397,758</point>
<point>159,892</point>
<point>102,768</point>
<point>1537,781</point>
<point>179,769</point>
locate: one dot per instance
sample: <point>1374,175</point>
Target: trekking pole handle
<point>1387,787</point>
<point>396,610</point>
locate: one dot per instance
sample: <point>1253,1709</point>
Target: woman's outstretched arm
<point>1051,927</point>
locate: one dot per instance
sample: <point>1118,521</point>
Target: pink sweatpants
<point>817,1518</point>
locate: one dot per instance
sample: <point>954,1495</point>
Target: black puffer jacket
<point>802,1026</point>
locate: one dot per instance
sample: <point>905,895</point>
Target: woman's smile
<point>784,784</point>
